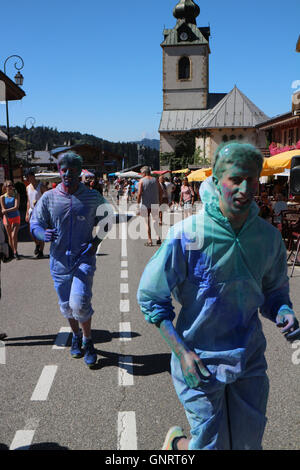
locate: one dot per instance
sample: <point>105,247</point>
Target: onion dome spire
<point>187,11</point>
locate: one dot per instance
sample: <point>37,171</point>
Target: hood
<point>208,191</point>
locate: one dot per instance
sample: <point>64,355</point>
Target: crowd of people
<point>174,194</point>
<point>10,201</point>
<point>223,265</point>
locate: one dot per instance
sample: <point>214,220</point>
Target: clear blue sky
<point>95,66</point>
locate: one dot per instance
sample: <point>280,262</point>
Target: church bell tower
<point>186,61</point>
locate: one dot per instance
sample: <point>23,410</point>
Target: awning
<point>200,175</point>
<point>128,174</point>
<point>186,170</point>
<point>160,172</point>
<point>87,173</point>
<point>48,176</point>
<point>282,160</point>
<point>271,171</point>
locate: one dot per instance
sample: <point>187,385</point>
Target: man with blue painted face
<point>221,265</point>
<point>66,216</point>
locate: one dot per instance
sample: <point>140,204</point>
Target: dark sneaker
<point>90,354</point>
<point>75,350</point>
<point>3,335</point>
<point>17,256</point>
<point>40,255</point>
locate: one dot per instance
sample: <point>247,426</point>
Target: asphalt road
<point>49,400</point>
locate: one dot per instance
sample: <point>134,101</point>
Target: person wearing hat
<point>66,216</point>
<point>221,265</point>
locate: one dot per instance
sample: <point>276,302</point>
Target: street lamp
<point>19,81</point>
<point>32,121</point>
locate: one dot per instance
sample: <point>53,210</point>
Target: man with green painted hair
<point>222,265</point>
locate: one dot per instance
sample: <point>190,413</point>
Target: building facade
<point>188,105</point>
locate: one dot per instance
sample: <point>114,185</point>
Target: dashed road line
<point>124,306</point>
<point>124,240</point>
<point>125,371</point>
<point>62,338</point>
<point>127,438</point>
<point>124,288</point>
<point>22,440</point>
<point>44,384</point>
<point>124,274</point>
<point>125,331</point>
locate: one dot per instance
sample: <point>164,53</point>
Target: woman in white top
<point>34,190</point>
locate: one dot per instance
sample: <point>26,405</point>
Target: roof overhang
<point>10,90</point>
<point>282,122</point>
<point>3,137</point>
<point>298,45</point>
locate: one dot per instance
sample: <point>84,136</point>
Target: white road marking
<point>125,331</point>
<point>127,438</point>
<point>43,386</point>
<point>2,353</point>
<point>124,274</point>
<point>124,288</point>
<point>123,240</point>
<point>124,306</point>
<point>62,338</point>
<point>22,440</point>
<point>125,371</point>
<point>124,264</point>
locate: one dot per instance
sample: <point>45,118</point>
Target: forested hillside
<point>47,138</point>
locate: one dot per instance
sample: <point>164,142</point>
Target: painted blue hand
<point>193,369</point>
<point>289,324</point>
<point>50,235</point>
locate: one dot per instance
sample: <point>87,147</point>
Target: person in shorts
<point>149,198</point>
<point>187,196</point>
<point>10,202</point>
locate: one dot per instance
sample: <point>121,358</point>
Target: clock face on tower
<point>183,36</point>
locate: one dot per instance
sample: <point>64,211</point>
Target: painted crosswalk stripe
<point>62,338</point>
<point>124,306</point>
<point>127,438</point>
<point>125,371</point>
<point>43,386</point>
<point>124,264</point>
<point>125,331</point>
<point>124,288</point>
<point>22,440</point>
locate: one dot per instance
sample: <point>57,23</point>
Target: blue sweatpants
<point>226,416</point>
<point>74,290</point>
